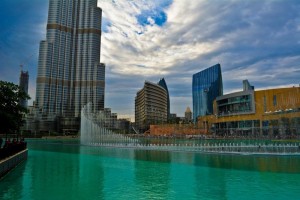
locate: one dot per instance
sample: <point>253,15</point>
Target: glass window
<point>265,104</point>
<point>274,100</point>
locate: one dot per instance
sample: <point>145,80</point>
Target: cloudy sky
<point>258,40</point>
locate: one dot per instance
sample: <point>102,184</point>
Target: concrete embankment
<point>11,162</point>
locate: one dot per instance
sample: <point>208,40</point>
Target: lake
<point>63,169</point>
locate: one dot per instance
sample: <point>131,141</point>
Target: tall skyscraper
<point>69,70</point>
<point>207,85</point>
<point>24,78</point>
<point>163,84</point>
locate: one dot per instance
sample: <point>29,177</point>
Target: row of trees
<point>11,112</point>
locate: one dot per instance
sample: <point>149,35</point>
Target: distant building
<point>70,74</point>
<point>151,106</point>
<point>110,121</point>
<point>24,80</point>
<point>173,115</point>
<point>207,85</point>
<point>188,114</point>
<point>38,123</point>
<point>163,83</point>
<point>107,118</point>
<point>123,126</point>
<point>173,119</point>
<point>264,113</point>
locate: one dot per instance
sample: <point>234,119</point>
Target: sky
<point>258,40</point>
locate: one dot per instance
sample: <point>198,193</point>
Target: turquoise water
<point>56,170</point>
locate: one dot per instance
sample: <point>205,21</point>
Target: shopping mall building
<point>265,113</point>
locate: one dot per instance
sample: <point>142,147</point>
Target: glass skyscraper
<point>163,84</point>
<point>207,85</point>
<point>69,70</point>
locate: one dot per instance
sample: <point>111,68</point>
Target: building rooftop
<point>188,110</point>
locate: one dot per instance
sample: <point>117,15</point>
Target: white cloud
<point>154,47</point>
<point>151,20</point>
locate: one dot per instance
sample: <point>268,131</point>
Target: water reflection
<point>16,192</point>
<point>91,177</point>
<point>64,168</point>
<point>214,178</point>
<point>282,164</point>
<point>152,178</point>
<point>82,172</point>
<point>49,169</point>
<point>55,145</point>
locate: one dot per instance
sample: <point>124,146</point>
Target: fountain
<point>94,133</point>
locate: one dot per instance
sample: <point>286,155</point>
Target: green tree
<point>11,112</point>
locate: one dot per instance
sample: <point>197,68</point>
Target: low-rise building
<point>176,130</point>
<point>263,113</point>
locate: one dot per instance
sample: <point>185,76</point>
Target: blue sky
<point>258,40</point>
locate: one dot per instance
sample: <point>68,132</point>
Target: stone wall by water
<point>11,162</point>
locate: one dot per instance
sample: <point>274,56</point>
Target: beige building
<point>188,114</point>
<point>150,106</point>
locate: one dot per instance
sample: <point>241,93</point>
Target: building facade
<point>207,85</point>
<point>188,114</point>
<point>237,103</point>
<point>151,106</point>
<point>24,80</point>
<point>272,113</point>
<point>69,70</point>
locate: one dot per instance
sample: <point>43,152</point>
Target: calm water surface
<point>66,170</point>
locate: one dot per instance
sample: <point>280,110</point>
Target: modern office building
<point>151,106</point>
<point>69,70</point>
<point>237,103</point>
<point>163,83</point>
<point>23,83</point>
<point>207,85</point>
<point>264,113</point>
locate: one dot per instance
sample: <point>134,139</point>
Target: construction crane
<point>25,62</point>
